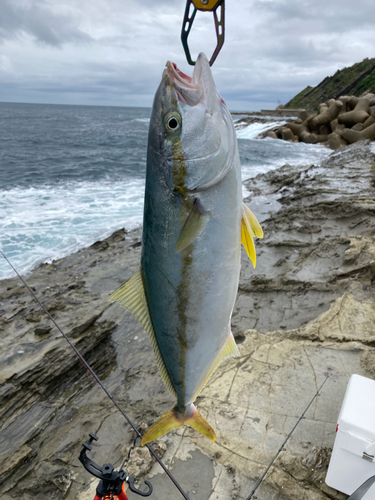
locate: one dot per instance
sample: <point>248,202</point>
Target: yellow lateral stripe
<point>131,296</point>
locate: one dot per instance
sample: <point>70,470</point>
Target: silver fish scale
<point>190,294</point>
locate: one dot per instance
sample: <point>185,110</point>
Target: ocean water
<point>70,175</point>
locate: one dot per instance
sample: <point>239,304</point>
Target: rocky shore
<point>339,122</point>
<point>306,311</point>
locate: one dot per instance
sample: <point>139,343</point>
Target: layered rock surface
<point>306,311</point>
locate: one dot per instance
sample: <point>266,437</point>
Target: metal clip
<point>130,481</point>
<point>205,5</point>
<point>366,456</point>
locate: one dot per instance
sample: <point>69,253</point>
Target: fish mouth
<point>188,91</point>
<point>192,90</point>
<point>209,155</point>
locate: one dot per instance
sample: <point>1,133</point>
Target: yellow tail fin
<point>174,419</point>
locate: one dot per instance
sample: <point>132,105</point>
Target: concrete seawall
<point>284,112</point>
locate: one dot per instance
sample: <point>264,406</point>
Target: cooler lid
<point>358,408</point>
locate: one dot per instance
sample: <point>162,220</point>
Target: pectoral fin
<point>131,296</point>
<point>249,229</point>
<point>193,227</point>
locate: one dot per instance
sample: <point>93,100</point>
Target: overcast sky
<point>112,52</point>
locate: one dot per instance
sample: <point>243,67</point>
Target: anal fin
<point>131,296</point>
<point>229,350</point>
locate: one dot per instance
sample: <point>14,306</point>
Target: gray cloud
<point>273,48</point>
<point>38,20</point>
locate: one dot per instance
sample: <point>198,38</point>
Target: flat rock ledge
<point>305,312</point>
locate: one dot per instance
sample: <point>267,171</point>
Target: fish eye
<point>172,122</point>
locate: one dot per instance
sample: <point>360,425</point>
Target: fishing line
<point>260,480</point>
<point>97,379</point>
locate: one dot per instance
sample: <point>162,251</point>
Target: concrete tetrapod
<point>327,114</point>
<point>351,135</point>
<point>359,113</point>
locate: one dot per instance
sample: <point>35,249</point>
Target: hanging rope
<point>97,379</point>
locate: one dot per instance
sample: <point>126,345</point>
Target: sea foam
<point>78,176</point>
<point>44,223</point>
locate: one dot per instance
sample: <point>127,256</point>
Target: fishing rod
<point>86,446</point>
<point>97,379</point>
<point>282,447</point>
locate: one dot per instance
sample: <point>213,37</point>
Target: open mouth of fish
<point>191,90</point>
<point>187,88</point>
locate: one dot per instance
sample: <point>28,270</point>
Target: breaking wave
<point>72,175</point>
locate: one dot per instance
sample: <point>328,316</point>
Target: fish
<point>193,224</point>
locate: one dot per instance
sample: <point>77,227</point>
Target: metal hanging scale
<point>215,6</point>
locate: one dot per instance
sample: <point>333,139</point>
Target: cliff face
<point>355,80</point>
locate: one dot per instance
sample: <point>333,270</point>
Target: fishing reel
<point>111,484</point>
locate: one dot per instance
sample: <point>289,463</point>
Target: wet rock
<point>305,311</point>
<point>368,361</point>
<point>310,472</point>
<point>42,330</point>
<point>10,464</point>
<point>141,460</point>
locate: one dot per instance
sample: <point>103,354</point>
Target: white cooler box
<point>352,461</point>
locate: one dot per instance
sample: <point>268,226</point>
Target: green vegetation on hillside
<point>355,80</point>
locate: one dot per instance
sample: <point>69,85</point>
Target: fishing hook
<point>204,5</point>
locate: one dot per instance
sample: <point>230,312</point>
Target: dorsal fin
<point>249,229</point>
<point>131,296</point>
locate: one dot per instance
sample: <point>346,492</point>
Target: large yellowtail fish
<point>193,224</point>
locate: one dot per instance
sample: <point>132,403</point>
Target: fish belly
<point>191,294</point>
